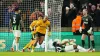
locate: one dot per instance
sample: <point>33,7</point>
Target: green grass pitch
<point>48,54</point>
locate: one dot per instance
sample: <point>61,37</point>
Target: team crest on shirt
<point>86,19</point>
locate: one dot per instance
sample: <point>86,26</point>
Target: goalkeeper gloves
<point>80,30</point>
<point>90,30</point>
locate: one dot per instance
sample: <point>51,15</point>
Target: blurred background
<point>55,8</point>
<point>61,14</point>
<point>27,7</point>
<point>93,7</point>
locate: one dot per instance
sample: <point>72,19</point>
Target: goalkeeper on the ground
<point>68,46</point>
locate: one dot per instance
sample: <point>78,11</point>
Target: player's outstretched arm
<point>33,25</point>
<point>91,25</point>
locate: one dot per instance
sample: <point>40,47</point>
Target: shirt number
<point>14,20</point>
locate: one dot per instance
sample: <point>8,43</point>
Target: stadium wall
<point>6,40</point>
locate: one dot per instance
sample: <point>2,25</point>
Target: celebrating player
<point>88,30</point>
<point>42,25</point>
<point>33,29</point>
<point>15,22</point>
<point>36,16</point>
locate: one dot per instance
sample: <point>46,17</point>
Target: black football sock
<point>83,43</point>
<point>93,44</point>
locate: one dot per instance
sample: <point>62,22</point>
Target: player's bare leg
<point>83,37</point>
<point>92,41</point>
<point>41,40</point>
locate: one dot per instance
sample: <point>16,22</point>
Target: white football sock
<point>13,43</point>
<point>17,46</point>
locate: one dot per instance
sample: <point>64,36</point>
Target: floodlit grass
<point>48,54</point>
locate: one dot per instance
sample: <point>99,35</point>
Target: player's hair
<point>54,44</point>
<point>86,10</point>
<point>79,12</point>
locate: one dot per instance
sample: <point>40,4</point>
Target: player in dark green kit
<point>15,22</point>
<point>88,30</point>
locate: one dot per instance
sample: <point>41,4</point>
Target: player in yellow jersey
<point>33,33</point>
<point>32,41</point>
<point>36,15</point>
<point>42,25</point>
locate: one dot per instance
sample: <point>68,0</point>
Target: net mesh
<point>27,7</point>
<point>55,17</point>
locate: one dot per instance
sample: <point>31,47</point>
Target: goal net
<point>52,8</point>
<point>54,14</point>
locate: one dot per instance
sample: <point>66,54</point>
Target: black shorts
<point>38,34</point>
<point>77,33</point>
<point>84,31</point>
<point>33,36</point>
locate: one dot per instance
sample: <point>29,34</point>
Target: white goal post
<point>46,36</point>
<point>55,17</point>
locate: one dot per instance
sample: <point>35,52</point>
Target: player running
<point>36,16</point>
<point>67,46</point>
<point>15,22</point>
<point>42,25</point>
<point>88,30</point>
<point>33,33</point>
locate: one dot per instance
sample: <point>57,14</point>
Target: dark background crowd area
<point>93,7</point>
<point>28,6</point>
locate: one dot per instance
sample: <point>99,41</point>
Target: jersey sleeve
<point>91,21</point>
<point>33,24</point>
<point>48,23</point>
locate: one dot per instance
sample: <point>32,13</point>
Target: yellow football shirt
<point>42,26</point>
<point>33,25</point>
